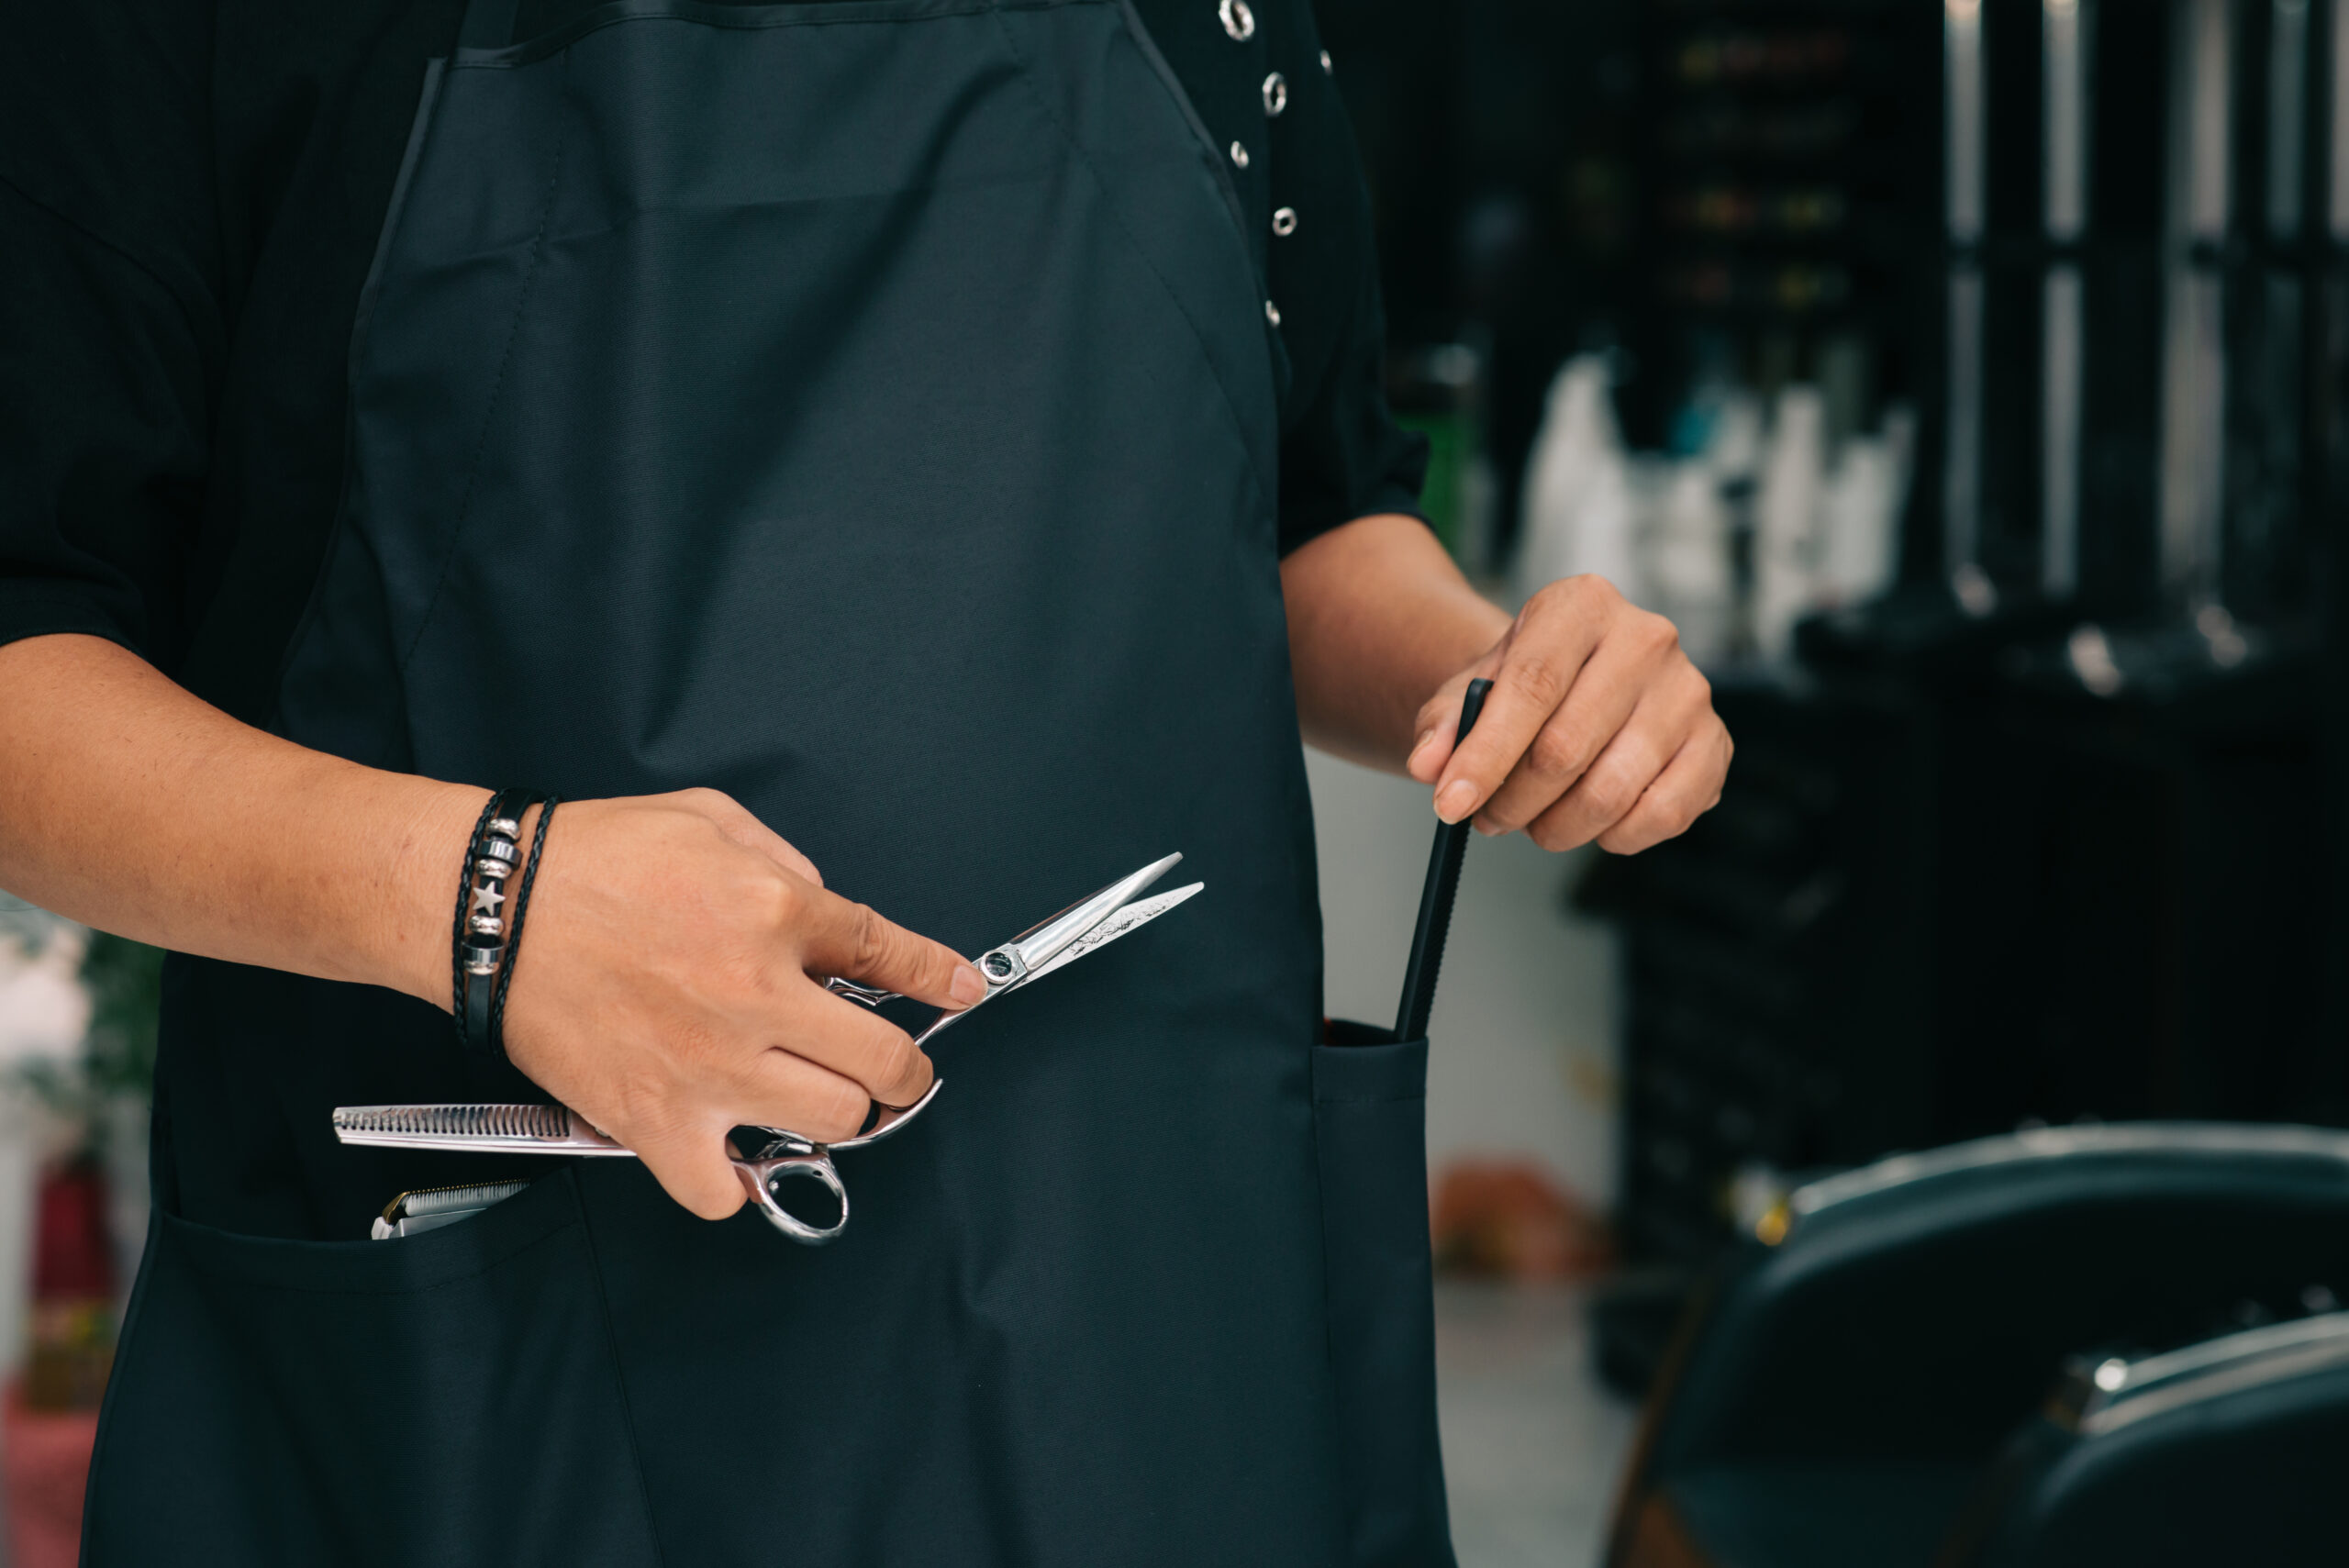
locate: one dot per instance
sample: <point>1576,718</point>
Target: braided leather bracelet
<point>457,945</point>
<point>484,934</point>
<point>514,929</point>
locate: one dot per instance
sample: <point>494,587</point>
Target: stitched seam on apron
<point>1239,424</point>
<point>1144,41</point>
<point>1332,1432</point>
<point>129,1345</point>
<point>497,394</point>
<point>619,1374</point>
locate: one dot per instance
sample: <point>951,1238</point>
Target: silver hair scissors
<point>1082,927</point>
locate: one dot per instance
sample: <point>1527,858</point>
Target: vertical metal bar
<point>2193,359</point>
<point>2060,432</point>
<point>2209,71</point>
<point>2064,82</point>
<point>2337,176</point>
<point>1962,472</point>
<point>1963,157</point>
<point>1963,168</point>
<point>2276,440</point>
<point>2325,494</point>
<point>2287,44</point>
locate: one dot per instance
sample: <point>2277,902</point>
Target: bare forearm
<point>670,994</point>
<point>130,805</point>
<point>1379,617</point>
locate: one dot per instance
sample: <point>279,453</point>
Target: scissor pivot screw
<point>1003,968</point>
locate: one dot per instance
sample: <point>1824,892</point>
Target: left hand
<point>1598,727</point>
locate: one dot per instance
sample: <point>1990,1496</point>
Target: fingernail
<point>1452,802</point>
<point>968,986</point>
<point>1426,736</point>
<point>1488,829</point>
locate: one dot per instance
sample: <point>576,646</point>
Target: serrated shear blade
<point>517,1128</point>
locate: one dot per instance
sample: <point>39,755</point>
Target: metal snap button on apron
<point>1327,68</point>
<point>1284,221</point>
<point>1275,93</point>
<point>1271,314</point>
<point>1238,19</point>
<point>1238,156</point>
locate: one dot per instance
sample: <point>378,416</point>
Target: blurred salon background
<point>1965,378</point>
<point>1949,1111</point>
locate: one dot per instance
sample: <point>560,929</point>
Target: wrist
<point>423,861</point>
<point>1379,617</point>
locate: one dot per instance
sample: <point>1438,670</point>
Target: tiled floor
<point>1531,1443</point>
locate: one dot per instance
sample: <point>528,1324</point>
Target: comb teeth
<point>457,1121</point>
<point>441,1200</point>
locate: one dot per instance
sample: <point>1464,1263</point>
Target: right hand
<point>668,988</point>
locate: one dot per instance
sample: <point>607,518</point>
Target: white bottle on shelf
<point>1785,524</point>
<point>1688,560</point>
<point>1581,511</point>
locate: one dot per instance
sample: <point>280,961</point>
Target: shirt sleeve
<point>1342,454</point>
<point>110,339</point>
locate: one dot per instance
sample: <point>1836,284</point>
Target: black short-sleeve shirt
<point>190,195</point>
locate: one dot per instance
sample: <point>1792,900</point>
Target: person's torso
<point>311,107</point>
<point>870,411</point>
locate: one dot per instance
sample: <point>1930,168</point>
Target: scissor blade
<point>1039,945</point>
<point>1131,918</point>
<point>522,1129</point>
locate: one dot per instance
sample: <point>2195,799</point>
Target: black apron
<point>868,409</point>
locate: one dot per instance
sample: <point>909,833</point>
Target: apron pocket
<point>449,1398</point>
<point>1370,1131</point>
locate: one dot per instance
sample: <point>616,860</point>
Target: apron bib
<point>867,410</point>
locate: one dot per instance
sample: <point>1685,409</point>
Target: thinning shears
<point>1082,927</point>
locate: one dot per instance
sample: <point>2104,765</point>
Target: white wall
<point>1524,1050</point>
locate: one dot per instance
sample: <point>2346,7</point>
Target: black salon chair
<point>2232,1450</point>
<point>1838,1394</point>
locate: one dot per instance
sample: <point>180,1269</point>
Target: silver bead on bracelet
<point>483,947</point>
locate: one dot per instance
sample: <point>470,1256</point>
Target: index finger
<point>1533,679</point>
<point>856,943</point>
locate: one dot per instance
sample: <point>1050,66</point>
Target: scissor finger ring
<point>762,1177</point>
<point>864,996</point>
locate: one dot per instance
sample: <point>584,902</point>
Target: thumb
<point>854,943</point>
<point>695,1170</point>
<point>1436,725</point>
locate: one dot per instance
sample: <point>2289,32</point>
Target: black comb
<point>1435,898</point>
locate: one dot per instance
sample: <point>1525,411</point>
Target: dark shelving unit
<point>2062,827</point>
<point>1781,218</point>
